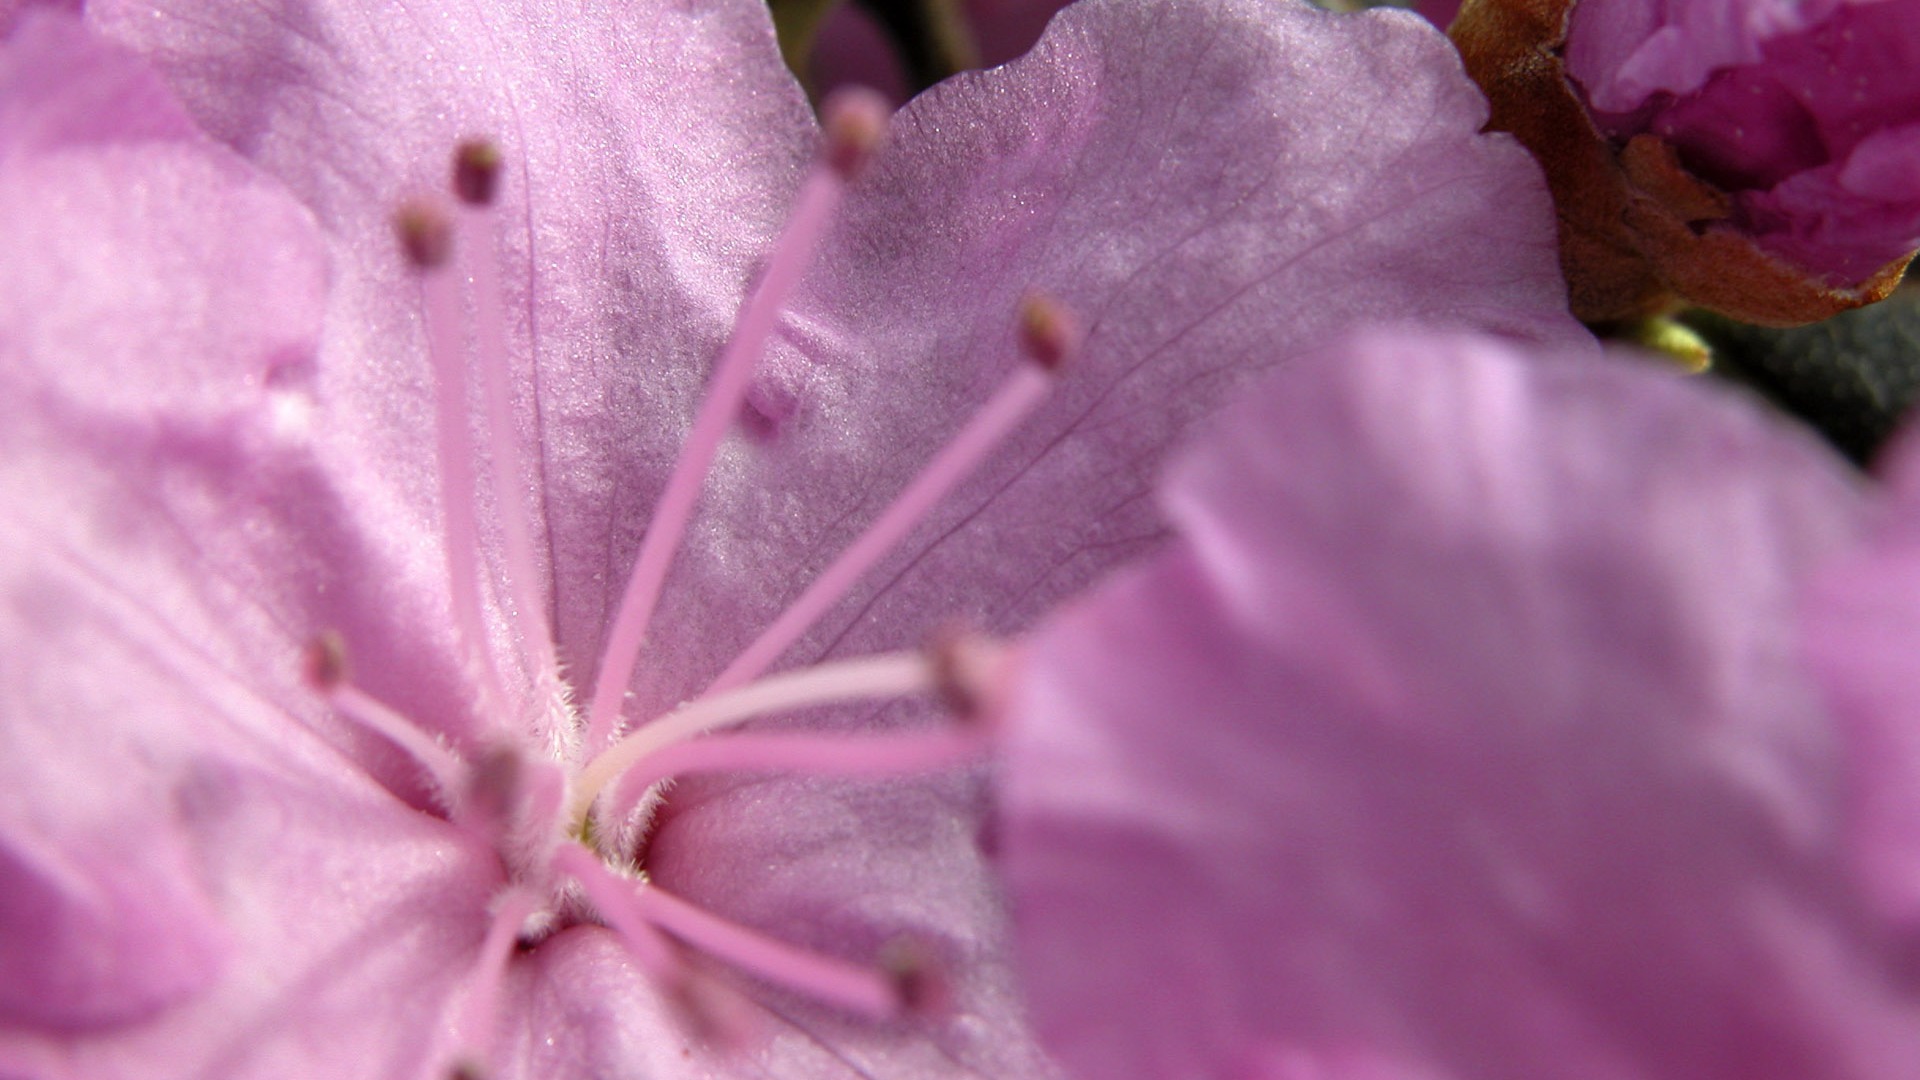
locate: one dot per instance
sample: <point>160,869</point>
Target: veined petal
<point>1212,188</point>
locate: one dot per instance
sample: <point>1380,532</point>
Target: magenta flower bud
<point>1806,114</point>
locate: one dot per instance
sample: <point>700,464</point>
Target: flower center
<point>569,823</point>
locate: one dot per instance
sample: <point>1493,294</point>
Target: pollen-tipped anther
<point>425,235</point>
<point>476,172</point>
<point>854,119</point>
<point>920,983</point>
<point>967,674</point>
<point>1050,333</point>
<point>324,662</point>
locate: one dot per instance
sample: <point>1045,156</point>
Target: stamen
<point>440,298</point>
<point>712,1012</point>
<point>1048,337</point>
<point>885,676</point>
<point>613,898</point>
<point>890,754</point>
<point>850,126</point>
<point>476,1030</point>
<point>327,673</point>
<point>476,172</point>
<point>862,990</point>
<point>854,122</point>
<point>969,673</point>
<point>476,178</point>
<point>424,236</point>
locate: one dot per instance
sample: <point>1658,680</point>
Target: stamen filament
<point>863,990</point>
<point>441,764</point>
<point>440,297</point>
<point>1024,389</point>
<point>885,754</point>
<point>477,1028</point>
<point>477,256</point>
<point>884,676</point>
<point>852,130</point>
<point>613,897</point>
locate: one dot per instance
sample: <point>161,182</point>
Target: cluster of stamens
<point>567,827</point>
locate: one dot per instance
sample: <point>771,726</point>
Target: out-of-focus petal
<point>1861,625</point>
<point>1460,735</point>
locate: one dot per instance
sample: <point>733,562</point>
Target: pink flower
<point>1462,733</point>
<point>1807,114</point>
<point>314,653</point>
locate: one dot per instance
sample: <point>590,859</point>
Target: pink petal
<point>1859,633</point>
<point>1461,730</point>
<point>1214,188</point>
<point>103,919</point>
<point>201,876</point>
<point>651,150</point>
<point>1271,211</point>
<point>1625,51</point>
<point>1809,114</point>
<point>1851,217</point>
<point>353,921</point>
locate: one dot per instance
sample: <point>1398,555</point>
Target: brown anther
<point>966,668</point>
<point>425,235</point>
<point>854,119</point>
<point>325,661</point>
<point>476,172</point>
<point>1050,334</point>
<point>493,786</point>
<point>920,983</point>
<point>467,1070</point>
